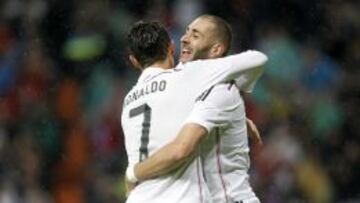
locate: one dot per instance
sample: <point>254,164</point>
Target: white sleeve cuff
<point>130,174</point>
<point>207,125</point>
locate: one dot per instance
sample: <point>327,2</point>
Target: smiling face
<point>198,40</point>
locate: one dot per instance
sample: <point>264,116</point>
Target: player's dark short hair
<point>223,31</point>
<point>148,41</point>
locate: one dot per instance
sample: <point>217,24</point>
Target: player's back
<point>153,114</point>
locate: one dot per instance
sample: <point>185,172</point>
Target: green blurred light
<point>84,48</point>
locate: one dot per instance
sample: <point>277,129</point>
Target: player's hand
<point>253,133</point>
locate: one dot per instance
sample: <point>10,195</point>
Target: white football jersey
<point>154,111</point>
<point>225,152</point>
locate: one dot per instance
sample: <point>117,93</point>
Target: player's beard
<point>201,54</point>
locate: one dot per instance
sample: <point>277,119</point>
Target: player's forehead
<point>202,26</point>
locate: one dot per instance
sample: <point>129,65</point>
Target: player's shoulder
<point>130,91</point>
<point>130,96</point>
<point>222,95</point>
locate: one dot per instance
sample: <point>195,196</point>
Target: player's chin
<point>186,58</point>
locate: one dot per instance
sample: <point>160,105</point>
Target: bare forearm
<point>160,163</point>
<point>172,155</point>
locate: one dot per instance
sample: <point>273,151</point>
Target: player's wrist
<point>130,174</point>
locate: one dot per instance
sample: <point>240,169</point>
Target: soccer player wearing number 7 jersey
<point>156,107</point>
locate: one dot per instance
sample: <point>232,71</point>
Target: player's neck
<point>164,64</point>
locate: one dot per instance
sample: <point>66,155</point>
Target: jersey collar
<point>149,72</point>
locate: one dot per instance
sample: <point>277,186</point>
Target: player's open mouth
<point>185,52</point>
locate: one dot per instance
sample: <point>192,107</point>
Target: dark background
<point>63,75</point>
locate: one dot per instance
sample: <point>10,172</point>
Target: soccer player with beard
<point>218,122</point>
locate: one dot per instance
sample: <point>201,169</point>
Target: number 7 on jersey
<point>144,139</point>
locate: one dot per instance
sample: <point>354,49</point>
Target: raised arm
<point>215,71</point>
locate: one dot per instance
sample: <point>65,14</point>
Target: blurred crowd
<point>63,75</point>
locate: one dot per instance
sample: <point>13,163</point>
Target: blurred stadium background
<point>63,75</point>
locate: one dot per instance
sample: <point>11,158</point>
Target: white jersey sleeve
<point>215,107</point>
<point>247,81</point>
<point>228,68</point>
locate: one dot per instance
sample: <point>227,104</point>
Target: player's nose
<point>185,39</point>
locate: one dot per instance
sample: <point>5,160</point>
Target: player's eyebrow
<point>196,31</point>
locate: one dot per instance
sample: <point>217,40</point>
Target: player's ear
<point>217,50</point>
<point>172,47</point>
<point>135,62</point>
